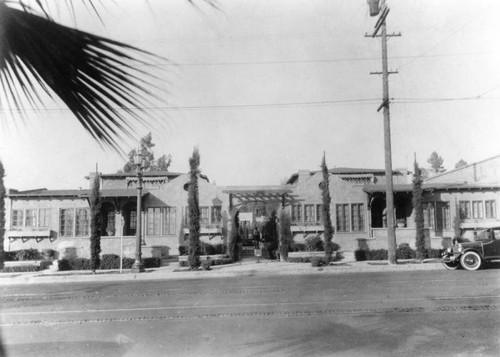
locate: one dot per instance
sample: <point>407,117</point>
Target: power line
<point>474,18</point>
<point>368,101</point>
<point>326,60</point>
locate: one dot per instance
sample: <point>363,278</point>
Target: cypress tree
<point>419,212</point>
<point>234,236</point>
<point>95,213</point>
<point>285,234</point>
<point>2,215</point>
<point>194,212</point>
<point>327,220</point>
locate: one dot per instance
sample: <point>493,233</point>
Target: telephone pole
<point>383,10</point>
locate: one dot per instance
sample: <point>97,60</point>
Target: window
<point>477,209</point>
<point>357,217</point>
<point>82,227</point>
<point>44,217</point>
<point>490,208</point>
<point>443,216</point>
<point>133,220</point>
<point>429,215</point>
<point>17,218</point>
<point>319,213</point>
<point>464,207</point>
<point>296,213</point>
<point>204,216</point>
<point>216,214</point>
<point>309,213</point>
<point>30,218</point>
<point>153,227</point>
<point>110,219</point>
<point>342,215</point>
<point>168,220</point>
<point>66,222</point>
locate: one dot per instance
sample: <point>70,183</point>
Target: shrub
<point>182,250</point>
<point>377,254</point>
<point>318,261</point>
<point>434,253</point>
<point>28,254</point>
<point>335,246</point>
<point>10,256</point>
<point>314,244</point>
<point>183,264</point>
<point>405,252</point>
<point>297,247</point>
<point>360,255</point>
<point>20,268</point>
<point>80,264</point>
<point>151,262</point>
<point>206,264</point>
<point>211,249</point>
<point>127,263</point>
<point>74,264</point>
<point>49,254</point>
<point>110,261</point>
<point>64,265</point>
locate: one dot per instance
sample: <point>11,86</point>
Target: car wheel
<point>471,261</point>
<point>451,265</point>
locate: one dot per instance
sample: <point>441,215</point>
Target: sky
<point>264,87</point>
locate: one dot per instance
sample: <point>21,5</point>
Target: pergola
<point>256,194</point>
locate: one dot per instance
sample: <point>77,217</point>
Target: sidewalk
<point>247,268</point>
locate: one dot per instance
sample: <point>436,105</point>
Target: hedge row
<point>402,252</point>
<point>108,261</point>
<point>20,268</point>
<point>29,254</point>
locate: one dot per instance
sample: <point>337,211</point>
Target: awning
<point>29,234</point>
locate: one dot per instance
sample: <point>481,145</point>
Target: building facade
<point>460,201</point>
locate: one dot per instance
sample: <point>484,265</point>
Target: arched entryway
<point>129,212</point>
<point>108,219</point>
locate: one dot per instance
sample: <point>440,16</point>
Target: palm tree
<point>97,78</point>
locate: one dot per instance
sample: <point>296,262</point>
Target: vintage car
<point>473,254</point>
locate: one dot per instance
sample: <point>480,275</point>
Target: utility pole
<point>383,10</point>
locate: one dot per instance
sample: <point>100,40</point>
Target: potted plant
<point>401,222</point>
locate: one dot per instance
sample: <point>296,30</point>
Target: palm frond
<point>98,79</point>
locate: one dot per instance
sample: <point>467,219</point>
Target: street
<point>420,313</point>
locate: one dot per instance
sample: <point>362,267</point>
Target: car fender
<point>475,249</point>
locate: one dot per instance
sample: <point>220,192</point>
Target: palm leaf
<point>96,78</point>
